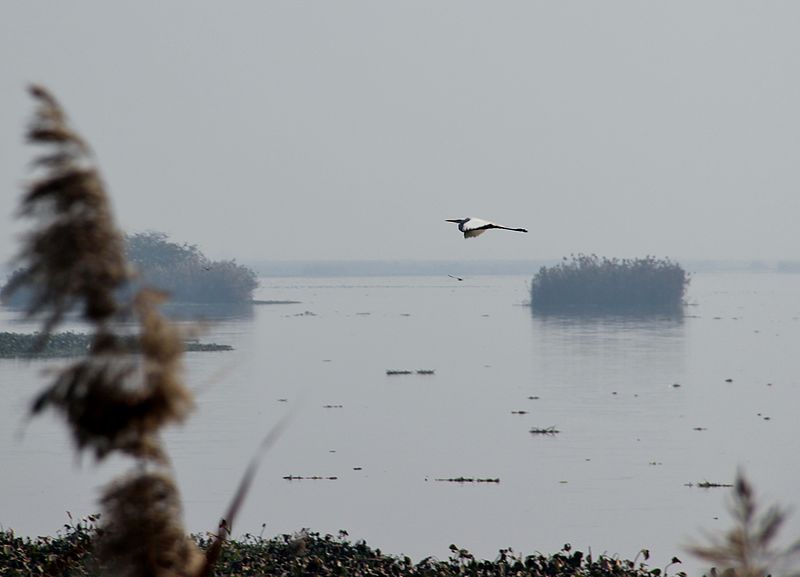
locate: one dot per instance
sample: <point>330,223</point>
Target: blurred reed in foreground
<point>113,401</point>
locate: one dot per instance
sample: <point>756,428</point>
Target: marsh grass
<point>749,548</point>
<point>112,401</point>
<point>588,283</point>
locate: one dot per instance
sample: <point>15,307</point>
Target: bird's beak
<point>452,220</point>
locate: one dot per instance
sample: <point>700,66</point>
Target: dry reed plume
<point>749,549</point>
<point>113,401</point>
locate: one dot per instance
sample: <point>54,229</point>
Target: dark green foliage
<point>69,344</point>
<point>307,554</point>
<point>185,273</point>
<point>69,553</point>
<point>592,283</point>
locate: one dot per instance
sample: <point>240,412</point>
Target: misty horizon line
<point>485,267</point>
<point>456,267</point>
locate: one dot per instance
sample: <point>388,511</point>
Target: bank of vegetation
<point>588,283</point>
<point>312,554</point>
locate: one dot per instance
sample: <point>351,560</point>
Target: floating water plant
<point>310,478</point>
<point>544,431</point>
<point>469,480</point>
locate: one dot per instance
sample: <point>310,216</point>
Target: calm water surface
<point>626,394</point>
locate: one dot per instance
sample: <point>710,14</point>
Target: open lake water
<point>643,407</point>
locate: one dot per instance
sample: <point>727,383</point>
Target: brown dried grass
<point>113,401</point>
<point>142,533</point>
<point>749,549</point>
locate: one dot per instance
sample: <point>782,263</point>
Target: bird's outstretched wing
<point>474,232</point>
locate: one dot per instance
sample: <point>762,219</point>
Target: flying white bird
<point>474,226</point>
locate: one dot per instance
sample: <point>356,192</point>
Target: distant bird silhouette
<point>472,227</point>
<point>455,277</point>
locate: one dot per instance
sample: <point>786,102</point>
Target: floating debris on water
<point>544,431</point>
<point>332,406</point>
<point>397,372</point>
<point>468,480</point>
<point>708,485</point>
<point>408,372</point>
<point>728,380</point>
<point>306,314</point>
<point>311,478</point>
<point>519,412</point>
<point>425,371</point>
<point>533,398</point>
<point>283,400</point>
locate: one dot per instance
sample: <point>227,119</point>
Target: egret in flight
<point>474,226</point>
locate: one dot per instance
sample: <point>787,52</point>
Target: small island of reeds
<point>588,283</point>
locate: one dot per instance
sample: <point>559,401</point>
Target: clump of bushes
<point>184,272</point>
<point>180,270</point>
<point>592,283</point>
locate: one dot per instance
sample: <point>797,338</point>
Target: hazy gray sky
<point>351,130</point>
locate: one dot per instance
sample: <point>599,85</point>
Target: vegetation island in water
<point>591,284</point>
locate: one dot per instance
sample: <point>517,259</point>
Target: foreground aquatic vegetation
<point>310,553</point>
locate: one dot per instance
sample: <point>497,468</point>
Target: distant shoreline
<point>368,268</point>
<point>528,268</point>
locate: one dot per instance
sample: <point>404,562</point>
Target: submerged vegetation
<point>70,344</point>
<point>588,283</point>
